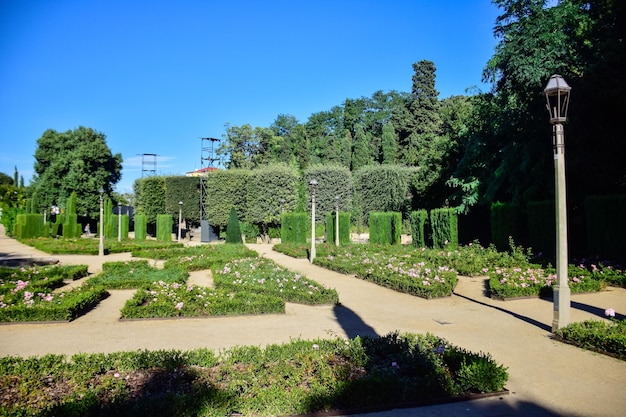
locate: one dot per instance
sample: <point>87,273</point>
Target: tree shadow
<point>525,319</point>
<point>351,323</point>
<point>596,311</point>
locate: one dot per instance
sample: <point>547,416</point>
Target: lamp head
<point>557,93</point>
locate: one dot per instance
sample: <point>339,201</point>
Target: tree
<point>389,144</point>
<point>579,40</point>
<point>6,180</point>
<point>360,152</point>
<point>76,160</point>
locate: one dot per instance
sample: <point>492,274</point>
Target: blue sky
<point>154,76</point>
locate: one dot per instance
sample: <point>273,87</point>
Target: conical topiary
<point>233,231</point>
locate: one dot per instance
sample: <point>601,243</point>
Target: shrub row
<point>294,378</point>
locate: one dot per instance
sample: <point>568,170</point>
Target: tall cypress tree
<point>360,152</point>
<point>389,144</point>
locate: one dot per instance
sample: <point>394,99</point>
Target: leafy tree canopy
<point>76,160</point>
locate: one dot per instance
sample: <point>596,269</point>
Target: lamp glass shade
<point>557,93</point>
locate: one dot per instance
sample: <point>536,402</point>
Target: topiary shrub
<point>164,227</point>
<point>233,230</point>
<point>419,223</point>
<point>141,227</point>
<point>295,227</point>
<point>385,228</point>
<point>445,229</point>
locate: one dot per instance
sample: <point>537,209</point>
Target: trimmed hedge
<point>444,227</point>
<point>233,231</point>
<point>295,228</point>
<point>344,227</point>
<point>141,227</point>
<point>419,223</point>
<point>385,228</point>
<point>164,227</point>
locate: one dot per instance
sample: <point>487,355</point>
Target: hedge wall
<point>419,228</point>
<point>141,227</point>
<point>382,188</point>
<point>164,225</point>
<point>344,227</point>
<point>385,228</point>
<point>187,190</point>
<point>444,228</point>
<point>227,189</point>
<point>265,188</point>
<point>506,221</point>
<point>150,193</point>
<point>295,227</point>
<point>332,180</point>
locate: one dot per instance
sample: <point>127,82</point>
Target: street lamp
<point>119,221</point>
<point>557,101</point>
<point>336,220</point>
<point>101,244</point>
<point>282,206</point>
<point>180,216</point>
<point>313,184</point>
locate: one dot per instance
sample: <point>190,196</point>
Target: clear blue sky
<point>154,76</point>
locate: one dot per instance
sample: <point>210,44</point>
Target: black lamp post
<point>557,101</point>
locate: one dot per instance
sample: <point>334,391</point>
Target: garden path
<point>547,378</point>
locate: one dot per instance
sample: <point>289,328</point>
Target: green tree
<point>360,151</point>
<point>76,160</point>
<point>6,180</point>
<point>389,144</point>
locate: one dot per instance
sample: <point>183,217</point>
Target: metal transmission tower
<point>150,160</point>
<point>207,159</point>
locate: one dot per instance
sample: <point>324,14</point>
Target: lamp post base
<point>561,316</point>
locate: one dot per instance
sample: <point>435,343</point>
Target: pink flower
<point>178,306</point>
<point>609,312</point>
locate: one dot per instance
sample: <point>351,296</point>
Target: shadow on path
<point>525,319</point>
<point>352,323</point>
<point>596,311</point>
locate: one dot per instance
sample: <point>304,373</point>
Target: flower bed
<point>394,267</point>
<point>260,275</point>
<point>135,274</point>
<point>294,378</point>
<point>207,257</point>
<point>534,282</point>
<point>27,294</point>
<point>25,305</point>
<point>163,299</point>
<point>600,336</point>
<point>247,286</point>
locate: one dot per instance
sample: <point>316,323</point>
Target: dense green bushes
<point>164,227</point>
<point>295,227</point>
<point>419,224</point>
<point>344,227</point>
<point>298,377</point>
<point>444,227</point>
<point>385,228</point>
